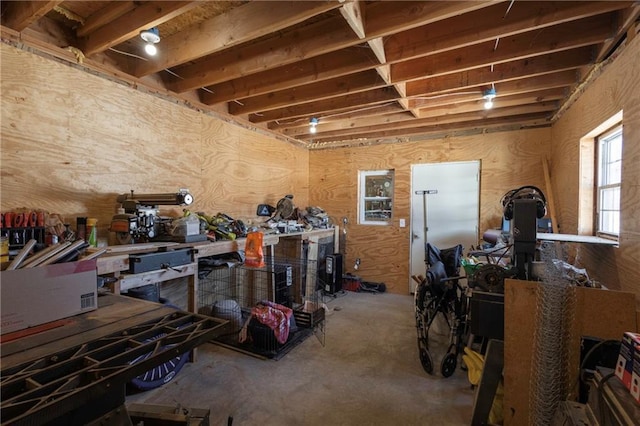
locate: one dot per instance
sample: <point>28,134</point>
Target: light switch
<point>402,223</point>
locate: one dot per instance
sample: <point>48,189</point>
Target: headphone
<point>524,192</point>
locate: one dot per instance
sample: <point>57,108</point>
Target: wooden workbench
<point>115,262</point>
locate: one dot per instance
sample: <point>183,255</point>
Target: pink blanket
<point>274,316</point>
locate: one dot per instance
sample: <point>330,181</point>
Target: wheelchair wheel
<point>448,365</point>
<point>425,358</point>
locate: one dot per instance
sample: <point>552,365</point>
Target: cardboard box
<point>34,296</point>
<point>624,366</point>
<point>635,374</point>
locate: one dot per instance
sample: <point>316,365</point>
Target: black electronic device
<point>171,259</point>
<point>523,235</point>
<point>332,274</point>
<point>527,192</point>
<point>265,210</point>
<point>283,279</point>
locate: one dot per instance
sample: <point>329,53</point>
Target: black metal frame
<point>47,389</point>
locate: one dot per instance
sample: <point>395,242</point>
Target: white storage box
<point>34,296</point>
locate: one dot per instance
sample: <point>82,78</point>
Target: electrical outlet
<point>402,223</point>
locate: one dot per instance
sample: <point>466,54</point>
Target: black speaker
<point>332,274</point>
<point>283,279</point>
<point>523,193</point>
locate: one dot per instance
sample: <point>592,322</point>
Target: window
<point>375,195</point>
<point>609,166</point>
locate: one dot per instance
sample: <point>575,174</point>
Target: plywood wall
<point>616,88</point>
<point>508,160</point>
<point>73,141</point>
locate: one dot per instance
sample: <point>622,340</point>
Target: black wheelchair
<point>441,292</point>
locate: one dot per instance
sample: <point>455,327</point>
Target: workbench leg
<point>192,303</point>
<point>115,287</point>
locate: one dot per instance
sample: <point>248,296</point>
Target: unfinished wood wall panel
<point>598,313</point>
<point>508,160</point>
<point>240,165</point>
<point>616,88</point>
<point>73,141</point>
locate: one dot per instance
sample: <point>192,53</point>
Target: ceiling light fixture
<point>151,37</point>
<point>313,123</point>
<point>489,95</point>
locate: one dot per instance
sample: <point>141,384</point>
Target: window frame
<point>604,165</point>
<point>385,198</point>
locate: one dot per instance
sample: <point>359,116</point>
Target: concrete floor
<point>368,373</point>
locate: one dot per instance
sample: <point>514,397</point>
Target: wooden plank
<point>549,196</point>
<point>147,15</point>
<point>474,27</point>
<point>352,13</point>
<point>319,68</point>
<point>129,281</point>
<point>105,16</point>
<point>464,120</point>
<point>19,15</point>
<point>241,24</point>
<point>558,38</point>
<point>320,37</point>
<point>360,100</point>
<point>542,64</point>
<point>569,238</point>
<point>326,89</point>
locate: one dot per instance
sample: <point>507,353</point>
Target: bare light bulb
<point>313,129</point>
<point>488,104</point>
<point>151,49</point>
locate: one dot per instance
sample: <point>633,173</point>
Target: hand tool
<point>15,263</point>
<point>18,220</point>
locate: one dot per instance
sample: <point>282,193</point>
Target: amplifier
<point>332,273</point>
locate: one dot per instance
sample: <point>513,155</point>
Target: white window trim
<point>599,186</point>
<point>362,174</point>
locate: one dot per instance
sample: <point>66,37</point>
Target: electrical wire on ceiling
<point>128,54</point>
<point>495,46</point>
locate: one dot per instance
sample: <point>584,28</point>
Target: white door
<point>451,193</point>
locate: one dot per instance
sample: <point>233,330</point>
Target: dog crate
<point>270,309</point>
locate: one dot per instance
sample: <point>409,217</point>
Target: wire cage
<point>270,309</point>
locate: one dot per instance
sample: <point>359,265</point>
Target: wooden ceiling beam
<point>538,65</point>
<point>335,64</point>
<point>405,121</point>
<point>360,100</point>
<point>626,19</point>
<point>585,32</point>
<point>498,116</point>
<point>18,15</point>
<point>345,124</point>
<point>341,116</point>
<point>488,24</point>
<point>518,46</point>
<point>318,38</point>
<point>439,36</point>
<point>352,13</point>
<point>523,85</point>
<point>441,130</point>
<point>388,17</point>
<point>242,24</point>
<point>360,82</point>
<point>147,15</point>
<point>105,16</point>
<point>502,101</point>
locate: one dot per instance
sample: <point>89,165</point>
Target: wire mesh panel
<point>270,309</point>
